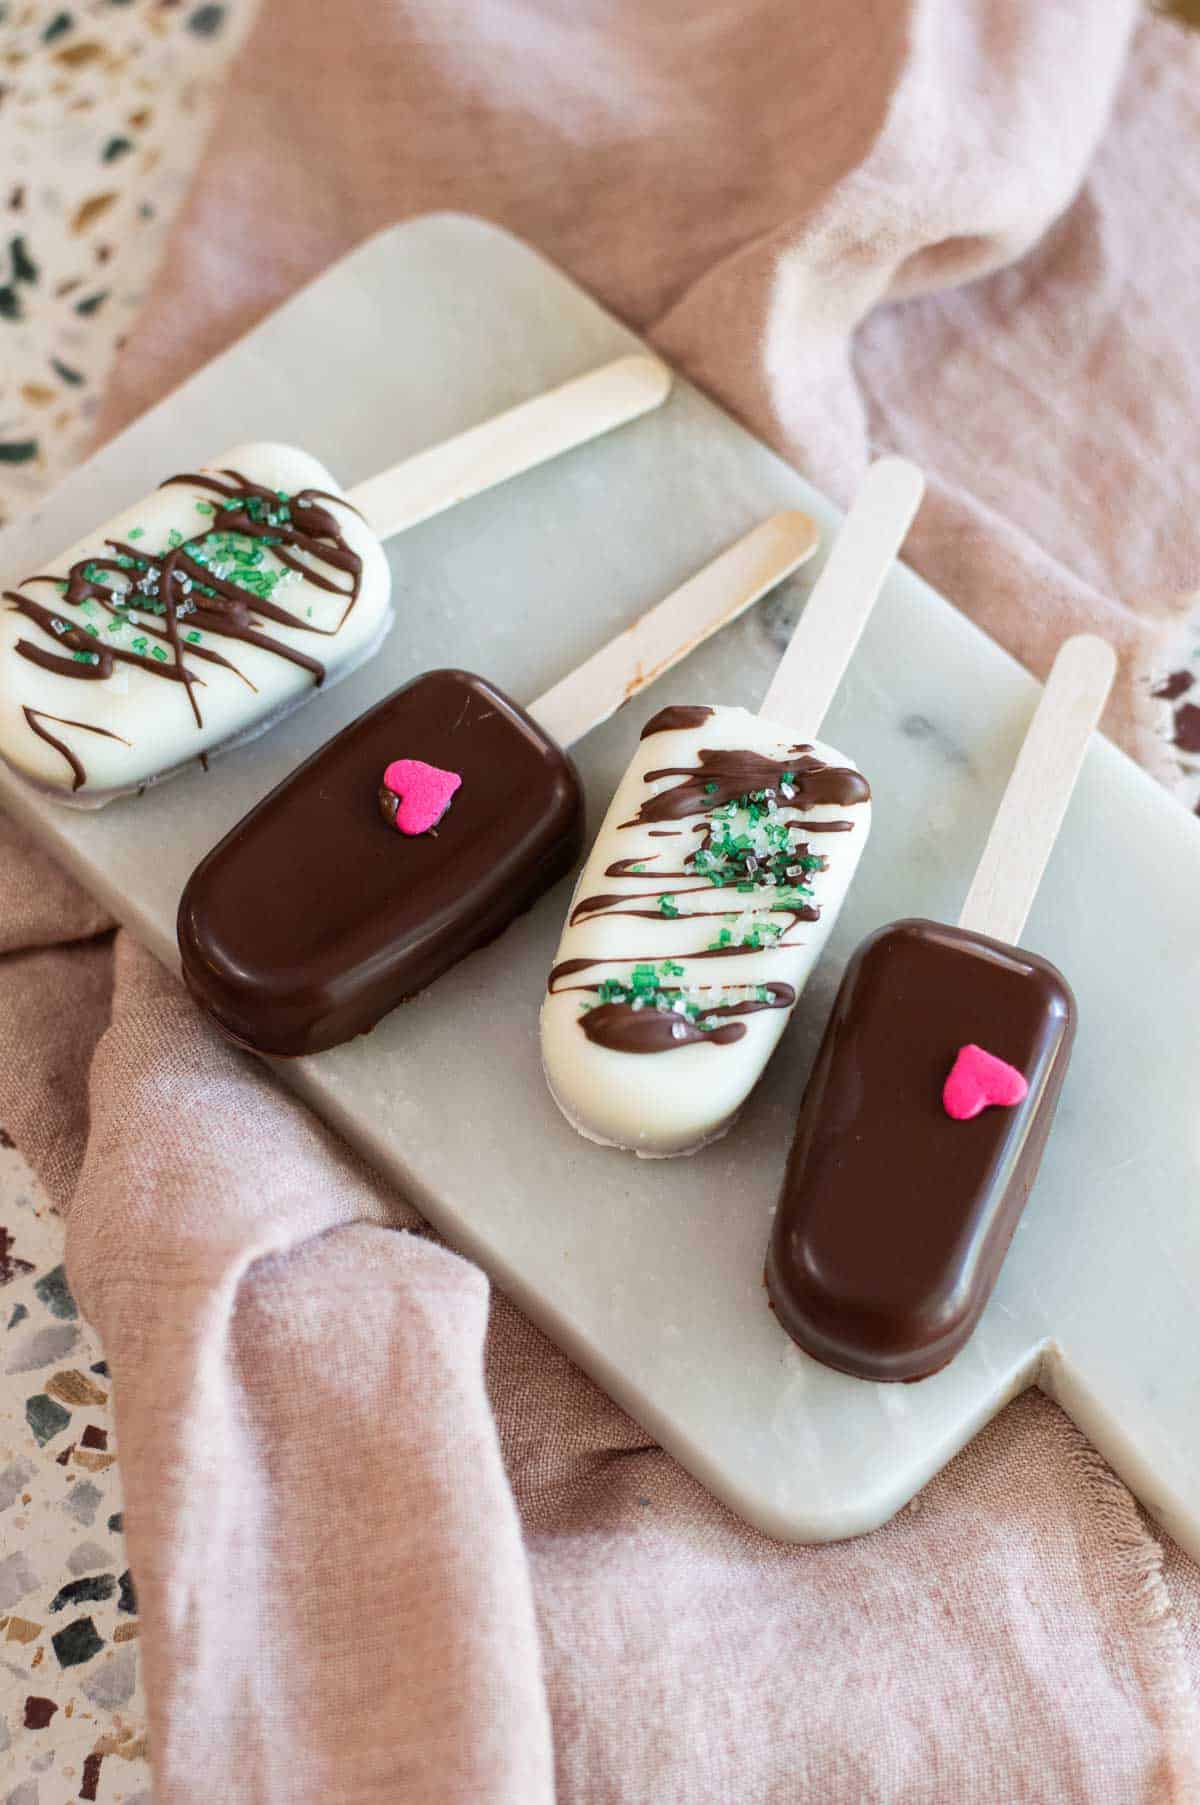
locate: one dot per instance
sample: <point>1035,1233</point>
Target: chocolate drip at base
<point>625,1029</point>
<point>33,716</point>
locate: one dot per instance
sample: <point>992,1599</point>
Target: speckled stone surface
<point>103,109</point>
<point>72,1723</point>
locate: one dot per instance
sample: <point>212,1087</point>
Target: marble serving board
<point>650,1274</point>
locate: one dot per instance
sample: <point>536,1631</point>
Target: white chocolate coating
<point>133,727</point>
<point>675,1100</point>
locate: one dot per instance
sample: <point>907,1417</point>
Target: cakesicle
<point>216,605</point>
<point>928,1107</point>
<point>419,832</point>
<point>716,878</point>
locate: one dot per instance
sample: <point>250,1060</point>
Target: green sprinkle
<point>669,907</point>
<point>788,777</point>
<point>62,588</point>
<point>137,532</point>
<point>117,625</point>
<point>205,507</point>
<point>88,628</point>
<point>140,643</point>
<point>710,789</point>
<point>670,968</point>
<point>194,638</point>
<point>159,653</point>
<point>86,657</point>
<point>174,538</point>
<point>638,868</point>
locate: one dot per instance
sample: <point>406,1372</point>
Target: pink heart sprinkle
<point>424,794</point>
<point>977,1079</point>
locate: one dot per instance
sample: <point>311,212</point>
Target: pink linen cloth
<point>389,1545</point>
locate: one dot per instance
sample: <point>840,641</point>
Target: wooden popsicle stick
<point>708,601</point>
<point>511,443</point>
<point>842,599</point>
<point>1043,778</point>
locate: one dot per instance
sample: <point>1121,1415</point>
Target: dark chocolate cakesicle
<point>926,1114</point>
<point>314,917</point>
<point>424,828</point>
<point>895,1216</point>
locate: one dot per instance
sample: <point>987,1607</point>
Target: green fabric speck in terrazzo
<point>206,21</point>
<point>52,1290</point>
<point>45,1417</point>
<point>24,269</point>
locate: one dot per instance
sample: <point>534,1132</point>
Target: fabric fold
<point>321,1531</point>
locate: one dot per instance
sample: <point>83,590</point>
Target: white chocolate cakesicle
<point>195,619</point>
<point>708,896</point>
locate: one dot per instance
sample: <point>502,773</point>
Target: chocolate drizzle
<point>34,717</point>
<point>629,1030</point>
<point>194,589</point>
<point>727,776</point>
<point>679,717</point>
<point>765,869</point>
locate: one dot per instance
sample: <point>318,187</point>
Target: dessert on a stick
<point>420,831</point>
<point>209,610</point>
<point>927,1111</point>
<point>716,877</point>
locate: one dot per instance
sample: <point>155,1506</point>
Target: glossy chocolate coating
<point>315,916</point>
<point>894,1218</point>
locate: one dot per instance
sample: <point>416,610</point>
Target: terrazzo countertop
<point>103,107</point>
<point>71,1708</point>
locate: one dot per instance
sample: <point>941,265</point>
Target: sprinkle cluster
<point>750,845</point>
<point>646,990</point>
<point>134,586</point>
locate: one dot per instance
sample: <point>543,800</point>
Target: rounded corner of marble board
<point>842,1518</point>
